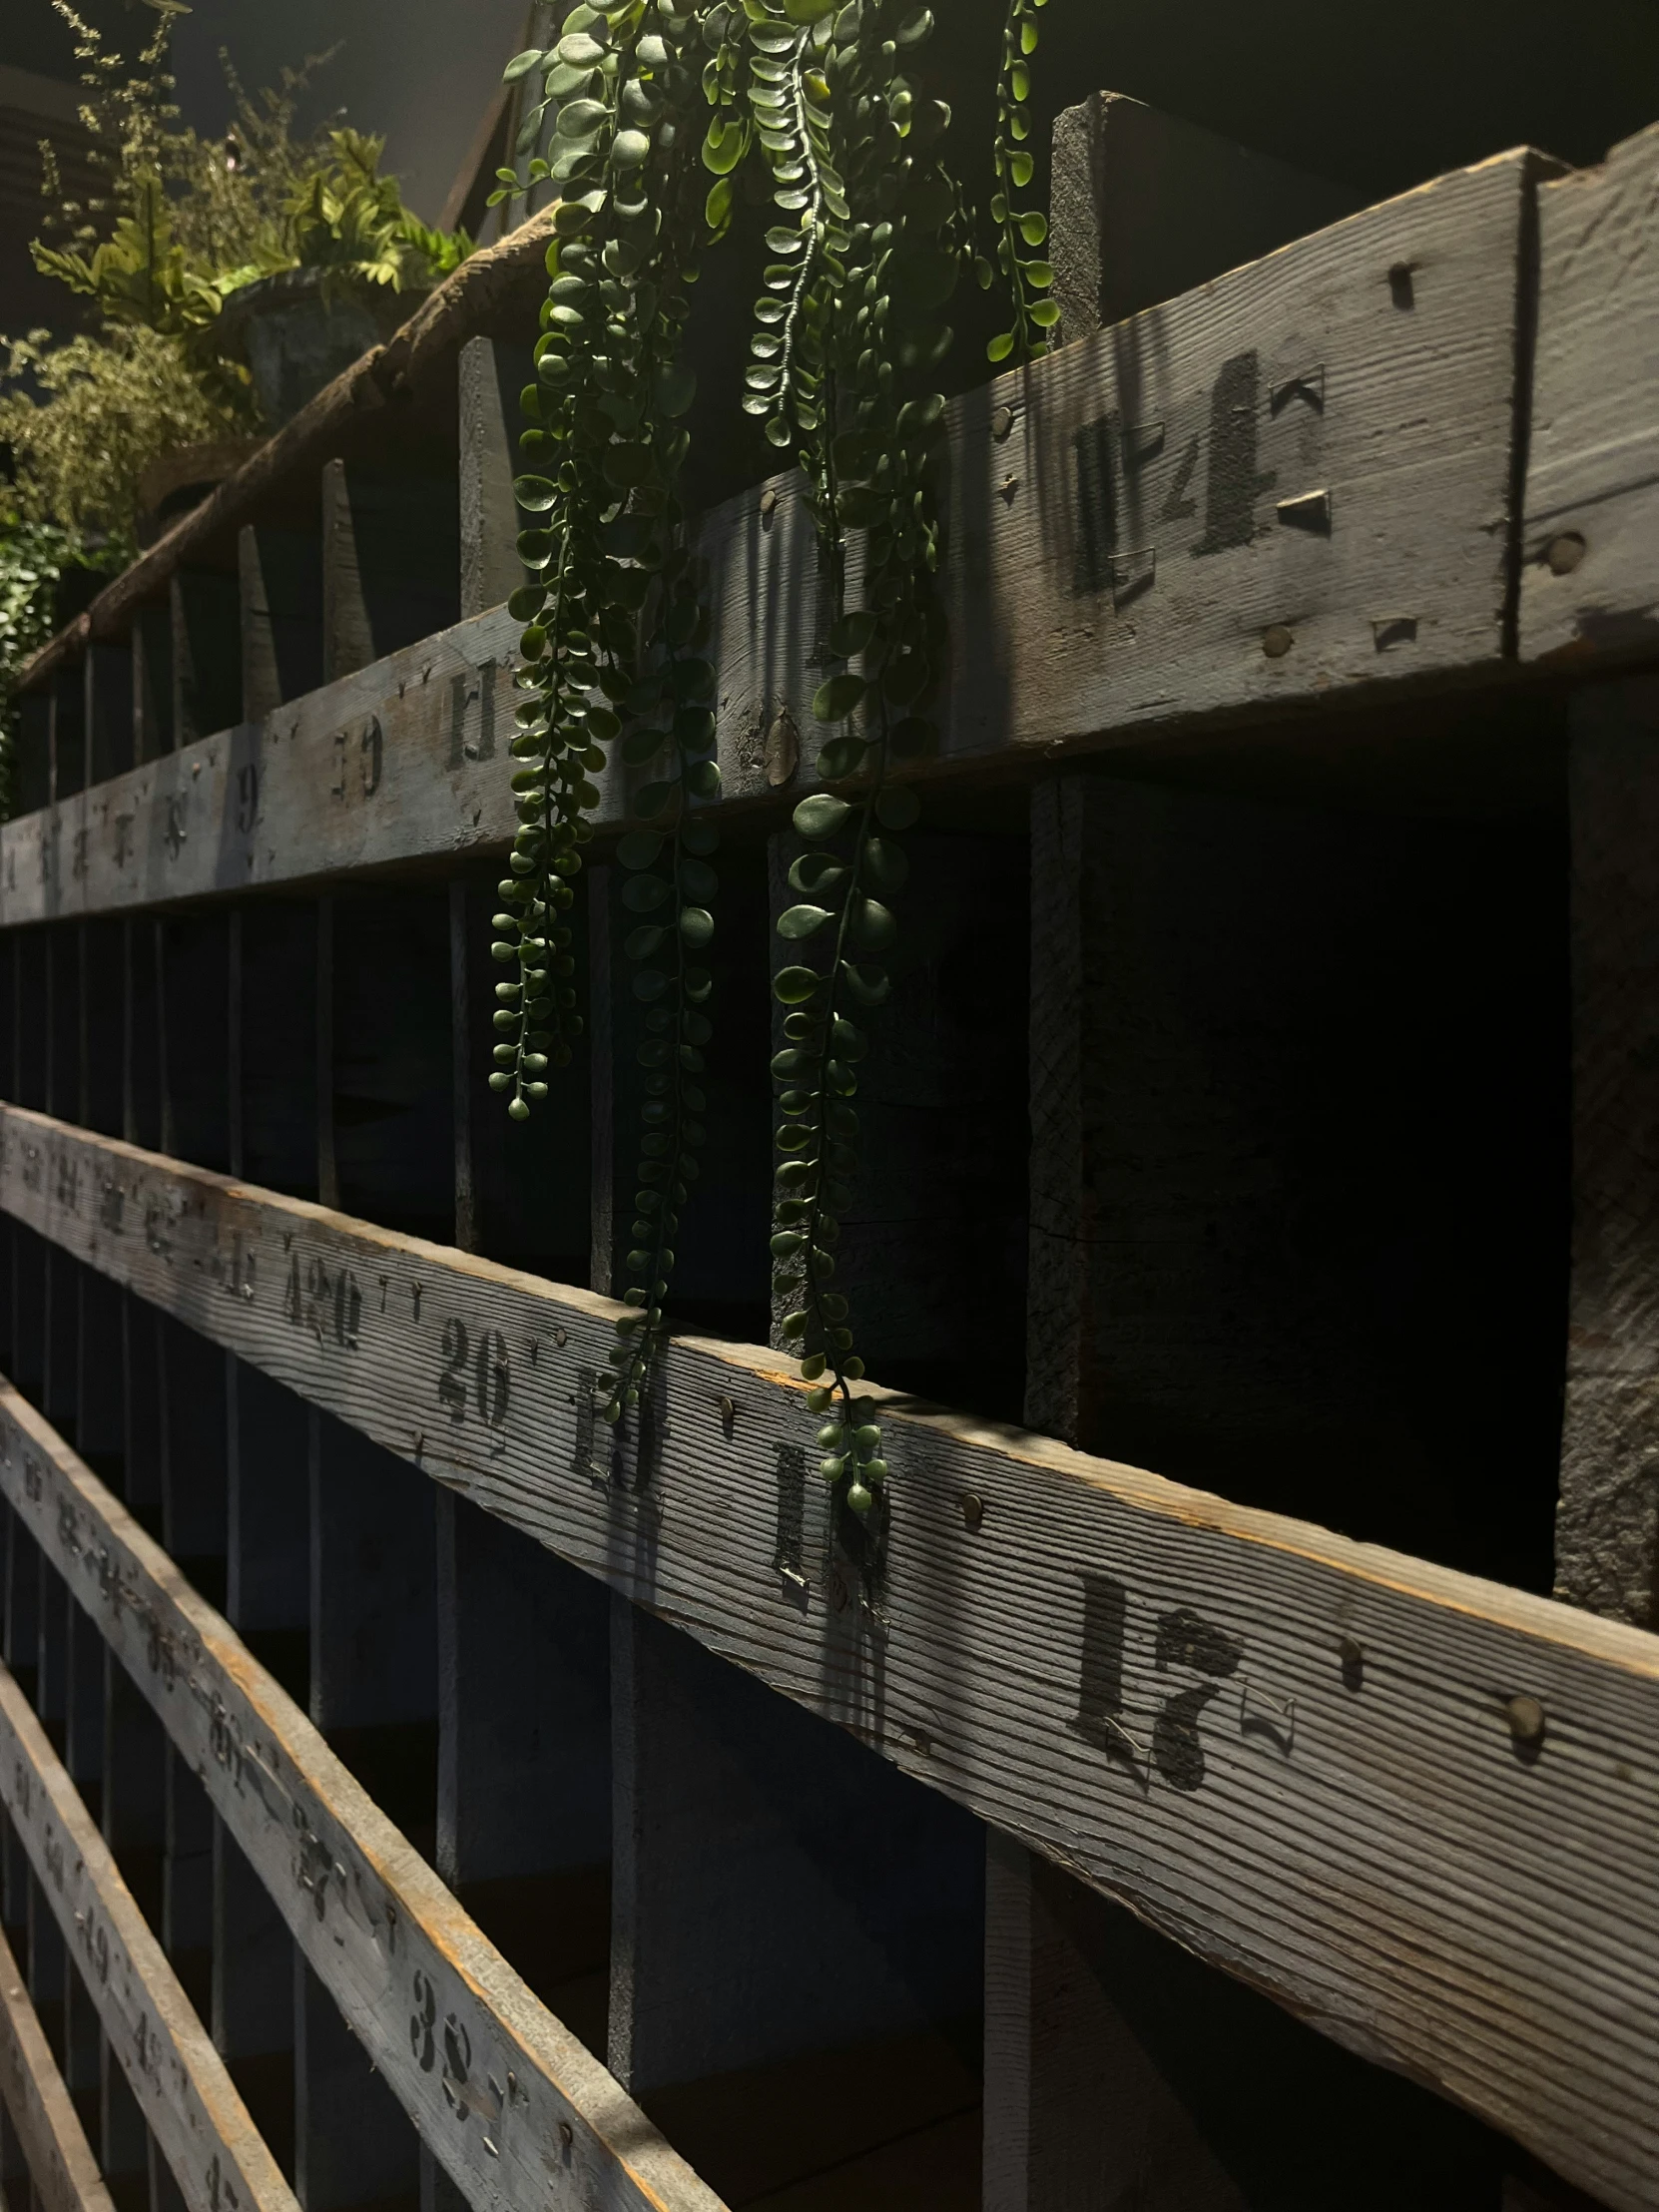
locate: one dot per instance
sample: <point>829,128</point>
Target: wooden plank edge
<point>55,2148</point>
<point>346,1881</point>
<point>214,2152</point>
<point>1435,1946</point>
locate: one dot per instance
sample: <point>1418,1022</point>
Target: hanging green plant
<point>870,238</point>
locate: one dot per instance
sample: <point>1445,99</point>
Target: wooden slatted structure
<point>414,1795</point>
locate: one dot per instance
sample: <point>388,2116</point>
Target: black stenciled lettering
<point>176,832</point>
<point>336,790</point>
<point>421,2022</point>
<point>452,1381</point>
<point>1099,1718</point>
<point>349,1310</point>
<point>1234,484</point>
<point>492,1378</point>
<point>1186,1639</point>
<point>789,1557</point>
<point>247,796</point>
<point>457,2056</point>
<point>1178,507</point>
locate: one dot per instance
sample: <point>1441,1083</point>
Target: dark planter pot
<point>294,340</point>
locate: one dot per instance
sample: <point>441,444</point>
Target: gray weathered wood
<point>280,577</point>
<point>352,2145</point>
<point>207,654</point>
<point>1143,206</point>
<point>60,2160</point>
<point>781,1898</point>
<point>390,563</point>
<point>181,2084</point>
<point>1121,2071</point>
<point>1116,560</point>
<point>1367,1839</point>
<point>108,672</point>
<point>501,2079</point>
<point>492,377</point>
<point>1607,1519</point>
<point>154,734</point>
<point>1591,580</point>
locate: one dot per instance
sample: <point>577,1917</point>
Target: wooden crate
<point>413,1793</point>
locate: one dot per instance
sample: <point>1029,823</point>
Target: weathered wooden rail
<point>285,1308</point>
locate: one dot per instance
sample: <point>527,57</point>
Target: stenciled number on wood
<point>330,1306</point>
<point>1113,458</point>
<point>486,1378</point>
<point>1182,1638</point>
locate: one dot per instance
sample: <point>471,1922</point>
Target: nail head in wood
<point>1277,641</point>
<point>973,1512</point>
<point>769,504</point>
<point>1351,1652</point>
<point>1002,423</point>
<point>1526,1722</point>
<point>1564,553</point>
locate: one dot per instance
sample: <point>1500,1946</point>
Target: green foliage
<point>86,418</point>
<point>33,555</point>
<point>1026,279</point>
<point>177,226</point>
<point>870,238</point>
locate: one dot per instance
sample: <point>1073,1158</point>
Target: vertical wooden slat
<point>524,1762</point>
<point>32,754</point>
<point>278,1041</point>
<point>461,1024</point>
<point>107,670</point>
<point>327,1167</point>
<point>739,1823</point>
<point>166,1116</point>
<point>68,732</point>
<point>193,1487</point>
<point>281,602</point>
<point>1607,1518</point>
<point>491,377</point>
<point>153,733</point>
<point>233,1042</point>
<point>41,2121</point>
<point>390,563</point>
<point>353,2144</point>
<point>187,1881</point>
<point>207,654</point>
<point>135,1795</point>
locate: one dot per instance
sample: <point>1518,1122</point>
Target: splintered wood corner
<point>1294,1753</point>
<point>516,2110</point>
<point>49,2131</point>
<point>200,2123</point>
<point>1291,485</point>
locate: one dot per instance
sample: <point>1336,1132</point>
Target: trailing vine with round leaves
<point>872,236</point>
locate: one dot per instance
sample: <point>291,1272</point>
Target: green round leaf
<point>897,807</point>
<point>697,925</point>
<point>821,815</point>
<point>793,986</point>
<point>639,848</point>
<point>797,923</point>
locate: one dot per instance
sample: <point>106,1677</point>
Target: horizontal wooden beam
<point>519,2113</point>
<point>55,2148</point>
<point>1414,1806</point>
<point>200,2125</point>
<point>1290,486</point>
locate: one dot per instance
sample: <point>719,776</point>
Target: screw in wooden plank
<point>1277,641</point>
<point>973,1512</point>
<point>1564,553</point>
<point>1002,423</point>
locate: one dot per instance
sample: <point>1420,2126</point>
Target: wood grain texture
<point>54,2144</point>
<point>195,2116</point>
<point>517,2112</point>
<point>1607,1518</point>
<point>1116,556</point>
<point>1139,1680</point>
<point>1590,580</point>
